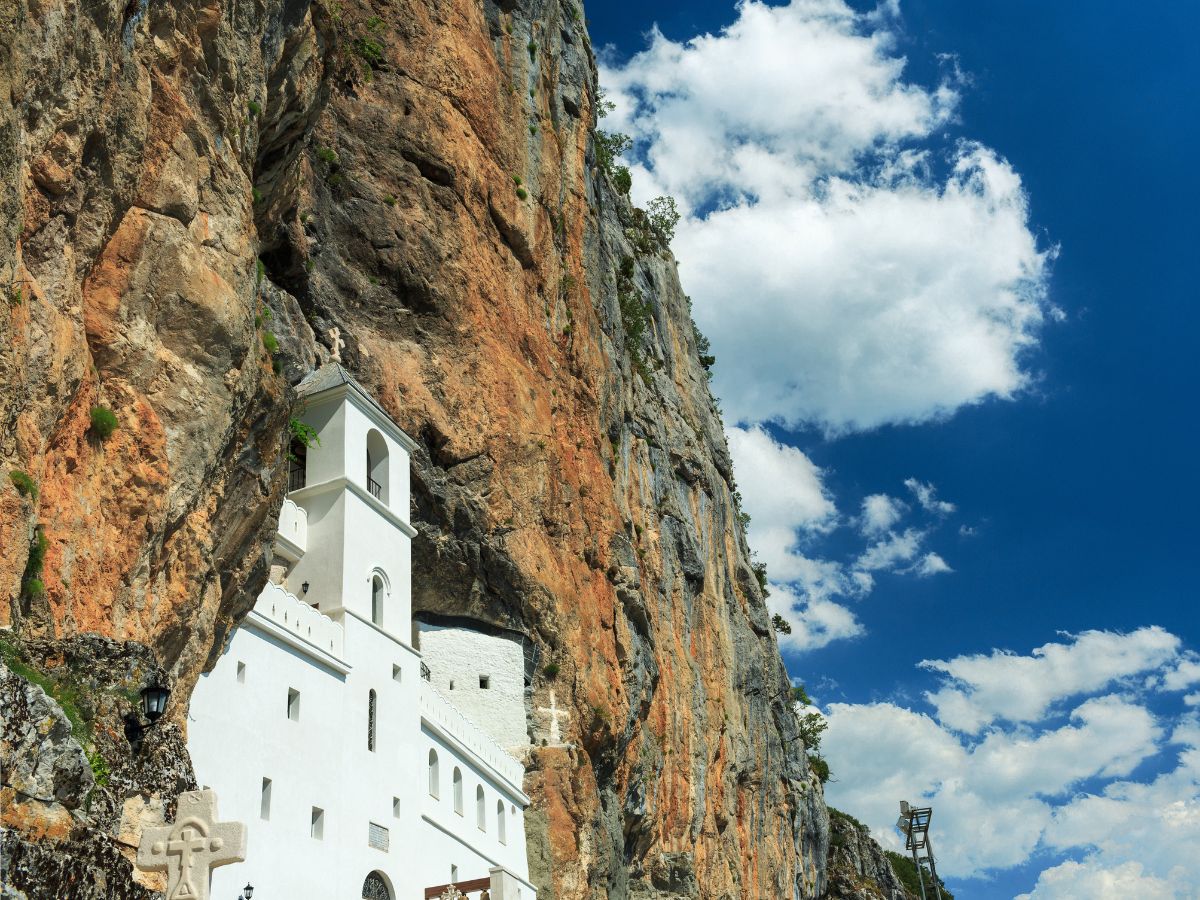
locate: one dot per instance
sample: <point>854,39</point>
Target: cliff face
<point>858,868</point>
<point>204,199</point>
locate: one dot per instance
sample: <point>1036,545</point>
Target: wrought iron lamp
<point>154,703</point>
<point>247,892</point>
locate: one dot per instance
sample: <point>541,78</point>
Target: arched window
<point>435,780</point>
<point>376,888</point>
<point>371,721</point>
<point>501,832</point>
<point>480,809</point>
<point>458,801</point>
<point>377,466</point>
<point>377,594</point>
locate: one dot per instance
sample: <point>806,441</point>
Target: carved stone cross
<point>191,848</point>
<point>554,714</point>
<point>336,344</point>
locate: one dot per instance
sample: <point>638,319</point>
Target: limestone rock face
<point>203,200</point>
<point>41,760</point>
<point>74,797</point>
<point>858,868</point>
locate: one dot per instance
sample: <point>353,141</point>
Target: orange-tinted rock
<point>568,483</point>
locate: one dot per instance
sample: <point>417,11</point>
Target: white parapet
<point>293,529</point>
<point>441,714</point>
<point>298,618</point>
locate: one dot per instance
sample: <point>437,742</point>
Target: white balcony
<point>299,619</point>
<point>292,535</point>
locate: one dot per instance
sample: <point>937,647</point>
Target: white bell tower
<point>353,483</point>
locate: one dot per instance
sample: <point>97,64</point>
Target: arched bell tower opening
<point>377,466</point>
<point>297,465</point>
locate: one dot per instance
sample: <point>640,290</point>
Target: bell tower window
<point>297,465</point>
<point>377,466</point>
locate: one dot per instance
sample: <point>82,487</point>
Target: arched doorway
<point>375,887</point>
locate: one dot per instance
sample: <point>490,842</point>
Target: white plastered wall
<point>460,655</point>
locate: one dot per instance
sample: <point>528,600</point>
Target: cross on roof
<point>192,847</point>
<point>336,344</point>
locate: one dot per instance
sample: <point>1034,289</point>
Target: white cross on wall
<point>554,713</point>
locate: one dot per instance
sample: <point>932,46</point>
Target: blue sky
<point>945,252</point>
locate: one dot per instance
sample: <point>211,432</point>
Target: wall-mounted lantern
<point>154,704</point>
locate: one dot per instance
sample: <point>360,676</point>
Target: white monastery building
<point>361,765</point>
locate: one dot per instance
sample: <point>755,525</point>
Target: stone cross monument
<point>191,848</point>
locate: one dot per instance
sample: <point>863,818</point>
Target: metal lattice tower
<point>914,823</point>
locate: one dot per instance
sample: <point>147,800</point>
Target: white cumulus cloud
<point>1062,789</point>
<point>931,564</point>
<point>982,688</point>
<point>869,281</point>
<point>879,513</point>
<point>1072,880</point>
<point>926,495</point>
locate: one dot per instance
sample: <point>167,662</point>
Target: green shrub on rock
<point>104,422</point>
<point>25,485</point>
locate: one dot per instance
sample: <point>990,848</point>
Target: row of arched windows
<point>456,780</point>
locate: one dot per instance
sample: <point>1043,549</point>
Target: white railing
<point>440,711</point>
<point>304,621</point>
<point>293,524</point>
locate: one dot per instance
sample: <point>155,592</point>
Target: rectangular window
<point>396,673</point>
<point>318,823</point>
<point>264,805</point>
<point>241,673</point>
<point>377,836</point>
<point>396,807</point>
<point>293,707</point>
<point>484,682</point>
<point>453,874</point>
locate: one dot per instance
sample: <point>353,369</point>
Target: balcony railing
<point>374,487</point>
<point>425,673</point>
<point>296,477</point>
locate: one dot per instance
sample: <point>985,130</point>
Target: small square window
<point>317,829</point>
<point>484,682</point>
<point>396,807</point>
<point>396,673</point>
<point>293,706</point>
<point>241,673</point>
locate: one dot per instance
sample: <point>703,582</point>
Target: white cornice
<point>342,482</point>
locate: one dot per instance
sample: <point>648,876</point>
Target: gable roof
<point>333,375</point>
